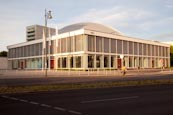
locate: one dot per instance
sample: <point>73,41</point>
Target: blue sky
<point>146,19</point>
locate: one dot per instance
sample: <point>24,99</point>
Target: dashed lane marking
<point>74,112</point>
<point>22,100</point>
<point>59,108</point>
<point>45,105</point>
<point>111,99</point>
<point>34,103</point>
<point>41,104</point>
<point>13,98</point>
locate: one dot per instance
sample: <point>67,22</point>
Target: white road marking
<point>45,105</point>
<point>13,98</point>
<point>75,112</point>
<point>32,102</point>
<point>4,96</point>
<point>22,100</point>
<point>111,99</point>
<point>59,108</point>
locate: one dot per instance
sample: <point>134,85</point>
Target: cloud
<point>169,4</point>
<point>117,17</point>
<point>164,36</point>
<point>130,21</point>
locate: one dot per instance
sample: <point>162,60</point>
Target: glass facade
<point>90,51</point>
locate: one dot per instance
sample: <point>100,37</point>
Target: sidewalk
<point>8,74</point>
<point>24,78</point>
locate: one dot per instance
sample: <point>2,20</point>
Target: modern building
<point>35,32</point>
<point>89,46</point>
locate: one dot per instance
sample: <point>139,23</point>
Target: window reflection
<point>91,61</point>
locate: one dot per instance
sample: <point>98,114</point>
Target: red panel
<point>51,64</point>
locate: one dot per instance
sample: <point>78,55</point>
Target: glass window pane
<point>113,46</point>
<point>91,43</point>
<point>99,45</point>
<point>119,46</point>
<point>125,44</point>
<point>135,48</point>
<point>64,64</point>
<point>78,62</point>
<point>106,45</point>
<point>140,48</point>
<point>91,61</point>
<point>98,61</point>
<point>131,48</point>
<point>106,61</point>
<point>78,43</point>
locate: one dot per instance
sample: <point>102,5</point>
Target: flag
<point>44,39</point>
<point>50,37</point>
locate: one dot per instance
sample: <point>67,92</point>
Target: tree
<point>3,54</point>
<point>171,55</point>
<point>171,49</point>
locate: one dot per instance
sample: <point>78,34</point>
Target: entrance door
<point>119,63</point>
<point>21,65</point>
<point>51,64</point>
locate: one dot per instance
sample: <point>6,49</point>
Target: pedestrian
<point>123,70</point>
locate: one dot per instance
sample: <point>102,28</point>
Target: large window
<point>64,62</point>
<point>91,61</point>
<point>106,45</point>
<point>119,46</point>
<point>63,45</point>
<point>106,61</point>
<point>71,62</point>
<point>112,61</point>
<point>99,45</point>
<point>113,46</point>
<point>98,61</point>
<point>91,43</point>
<point>140,48</point>
<point>131,48</point>
<point>156,50</point>
<point>125,47</point>
<point>153,51</point>
<point>59,62</point>
<point>149,50</point>
<point>78,43</point>
<point>58,46</point>
<point>135,48</point>
<point>130,61</point>
<point>69,40</point>
<point>78,62</point>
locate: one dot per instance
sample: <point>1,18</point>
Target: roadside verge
<point>73,86</point>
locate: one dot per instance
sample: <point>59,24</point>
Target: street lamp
<point>47,16</point>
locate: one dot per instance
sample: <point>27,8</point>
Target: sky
<point>145,19</point>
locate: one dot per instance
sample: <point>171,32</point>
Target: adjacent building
<point>35,32</point>
<point>89,46</point>
<point>3,63</point>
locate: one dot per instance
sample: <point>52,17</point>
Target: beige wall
<point>3,63</point>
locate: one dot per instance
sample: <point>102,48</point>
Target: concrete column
<point>85,61</point>
<point>115,62</point>
<point>95,61</point>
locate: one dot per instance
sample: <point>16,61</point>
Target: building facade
<point>89,46</point>
<point>35,32</point>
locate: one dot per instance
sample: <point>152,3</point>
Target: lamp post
<point>47,16</point>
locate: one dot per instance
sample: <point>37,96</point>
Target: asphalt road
<point>144,100</point>
<point>57,80</point>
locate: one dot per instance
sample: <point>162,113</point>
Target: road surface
<point>144,100</point>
